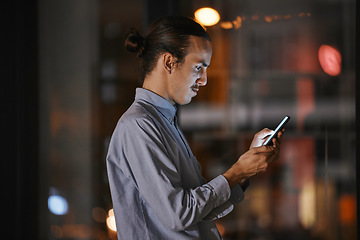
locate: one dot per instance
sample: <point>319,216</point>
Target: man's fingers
<point>277,141</point>
<point>280,134</point>
<point>264,133</point>
<point>263,149</point>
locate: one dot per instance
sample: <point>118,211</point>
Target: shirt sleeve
<point>145,159</point>
<point>237,195</point>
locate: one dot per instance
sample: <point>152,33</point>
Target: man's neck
<point>157,84</point>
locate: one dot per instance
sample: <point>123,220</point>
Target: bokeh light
<point>207,16</point>
<point>330,60</point>
<point>57,205</point>
<point>99,214</point>
<point>110,220</point>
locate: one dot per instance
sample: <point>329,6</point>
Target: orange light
<point>207,16</point>
<point>220,227</point>
<point>268,19</point>
<point>99,214</point>
<point>226,25</point>
<point>347,209</point>
<point>110,220</point>
<point>330,60</point>
<point>237,23</point>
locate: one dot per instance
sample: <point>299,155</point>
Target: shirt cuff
<point>237,194</point>
<point>221,188</point>
<point>245,185</point>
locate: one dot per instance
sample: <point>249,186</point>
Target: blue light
<point>57,205</point>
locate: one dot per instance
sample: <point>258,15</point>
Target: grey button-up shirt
<point>156,185</point>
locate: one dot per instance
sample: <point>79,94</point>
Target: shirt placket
<point>175,122</point>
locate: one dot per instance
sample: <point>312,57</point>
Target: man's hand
<point>260,137</point>
<point>256,160</point>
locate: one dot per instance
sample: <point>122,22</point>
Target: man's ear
<point>168,62</point>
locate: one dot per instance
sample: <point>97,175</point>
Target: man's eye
<point>198,68</point>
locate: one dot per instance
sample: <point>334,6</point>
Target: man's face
<point>189,76</point>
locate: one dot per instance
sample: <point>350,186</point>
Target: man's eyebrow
<point>205,65</point>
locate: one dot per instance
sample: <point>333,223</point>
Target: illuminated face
<point>187,77</point>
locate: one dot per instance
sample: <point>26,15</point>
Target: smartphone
<point>282,124</point>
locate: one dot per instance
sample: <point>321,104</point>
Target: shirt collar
<point>161,104</point>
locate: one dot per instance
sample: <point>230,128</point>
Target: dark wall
<point>19,99</point>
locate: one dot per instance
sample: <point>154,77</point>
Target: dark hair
<point>167,34</point>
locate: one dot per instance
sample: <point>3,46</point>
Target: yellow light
<point>110,220</point>
<point>207,16</point>
<point>307,207</point>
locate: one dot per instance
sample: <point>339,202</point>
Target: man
<point>155,180</point>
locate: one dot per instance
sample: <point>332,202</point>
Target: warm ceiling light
<point>207,16</point>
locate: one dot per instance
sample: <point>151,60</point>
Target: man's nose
<point>202,81</point>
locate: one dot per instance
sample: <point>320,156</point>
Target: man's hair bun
<point>134,42</point>
<point>169,34</point>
